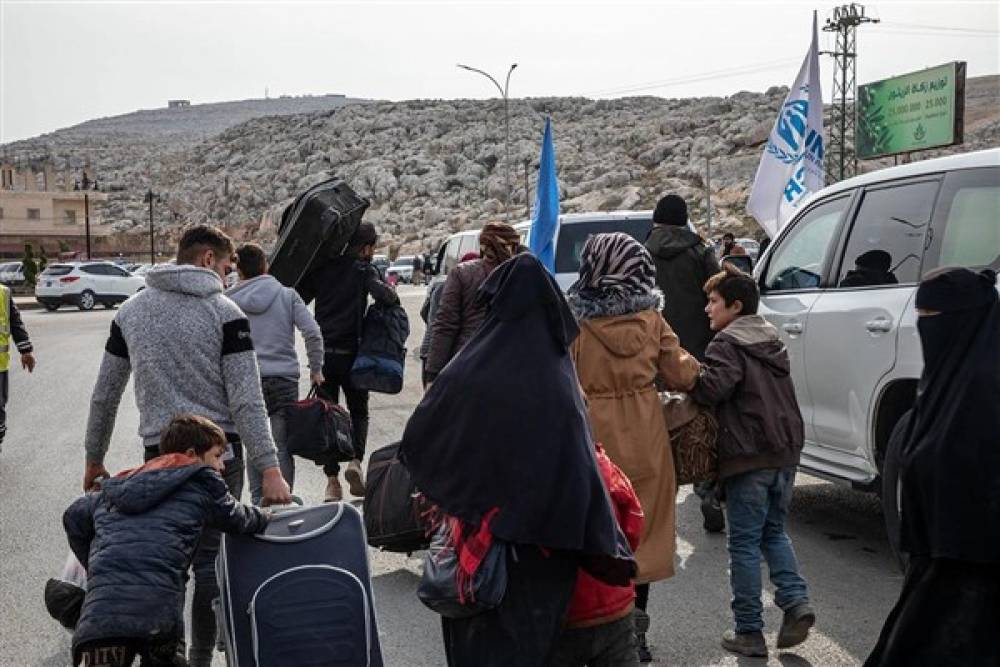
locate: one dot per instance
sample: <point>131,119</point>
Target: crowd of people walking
<point>539,446</point>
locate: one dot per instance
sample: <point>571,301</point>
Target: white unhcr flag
<point>792,165</point>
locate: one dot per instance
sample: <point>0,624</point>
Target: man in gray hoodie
<point>275,312</point>
<point>190,350</point>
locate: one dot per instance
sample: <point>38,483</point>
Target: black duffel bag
<point>319,430</point>
<point>392,507</point>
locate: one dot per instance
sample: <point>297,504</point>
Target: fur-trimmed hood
<point>589,306</point>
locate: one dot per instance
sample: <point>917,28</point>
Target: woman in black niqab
<point>504,428</point>
<point>948,612</point>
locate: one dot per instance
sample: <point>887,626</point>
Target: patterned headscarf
<point>617,276</point>
<point>498,242</point>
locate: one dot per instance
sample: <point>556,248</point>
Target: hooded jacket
<point>191,351</point>
<point>275,311</point>
<point>618,359</point>
<point>136,538</point>
<point>746,376</point>
<point>684,262</point>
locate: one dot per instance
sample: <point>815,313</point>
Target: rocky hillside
<point>432,167</point>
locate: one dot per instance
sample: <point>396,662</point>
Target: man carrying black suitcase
<point>341,286</point>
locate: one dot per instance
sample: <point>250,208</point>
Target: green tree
<point>43,260</point>
<point>30,267</point>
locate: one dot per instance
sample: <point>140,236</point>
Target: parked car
<point>839,281</point>
<point>12,274</point>
<point>85,284</point>
<point>574,230</point>
<point>402,268</point>
<point>381,262</point>
<point>751,246</point>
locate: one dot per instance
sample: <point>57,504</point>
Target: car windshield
<point>57,270</point>
<point>572,237</point>
<point>403,261</point>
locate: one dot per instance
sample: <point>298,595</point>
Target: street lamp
<point>150,198</point>
<point>506,113</point>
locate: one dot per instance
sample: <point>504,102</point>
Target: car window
<point>451,253</point>
<point>470,243</point>
<point>886,244</point>
<point>573,236</point>
<point>117,271</point>
<point>94,270</point>
<point>797,263</point>
<point>968,207</point>
<point>57,270</point>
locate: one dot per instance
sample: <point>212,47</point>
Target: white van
<point>574,230</point>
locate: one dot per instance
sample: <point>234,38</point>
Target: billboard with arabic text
<point>912,112</point>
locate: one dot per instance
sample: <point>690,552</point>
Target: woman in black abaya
<point>948,612</point>
<point>501,443</point>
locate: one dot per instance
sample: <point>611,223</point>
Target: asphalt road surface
<point>837,532</point>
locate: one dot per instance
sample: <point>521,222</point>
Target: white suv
<point>85,284</point>
<point>839,281</point>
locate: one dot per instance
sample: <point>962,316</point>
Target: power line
<point>936,28</point>
<point>695,78</point>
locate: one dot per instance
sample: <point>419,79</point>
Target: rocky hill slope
<point>432,167</point>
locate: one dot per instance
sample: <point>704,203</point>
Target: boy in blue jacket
<point>136,538</point>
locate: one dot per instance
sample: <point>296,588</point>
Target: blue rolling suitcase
<point>300,593</point>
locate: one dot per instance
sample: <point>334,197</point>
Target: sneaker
<point>333,491</point>
<point>795,625</point>
<point>355,479</point>
<point>711,510</point>
<point>750,644</point>
<point>641,620</point>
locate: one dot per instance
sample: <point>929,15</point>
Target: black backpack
<point>393,509</point>
<point>382,353</point>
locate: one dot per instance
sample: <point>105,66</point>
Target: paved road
<point>837,532</point>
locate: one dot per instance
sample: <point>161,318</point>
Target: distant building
<point>44,208</point>
<point>177,104</point>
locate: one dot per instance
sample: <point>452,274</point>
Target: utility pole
<point>506,113</point>
<point>708,192</point>
<point>527,192</point>
<point>86,220</point>
<point>150,197</point>
<point>841,157</point>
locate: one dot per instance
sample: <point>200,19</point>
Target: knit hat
<point>671,210</point>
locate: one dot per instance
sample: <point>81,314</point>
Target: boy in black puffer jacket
<point>136,538</point>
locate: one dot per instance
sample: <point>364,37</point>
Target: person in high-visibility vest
<point>11,325</point>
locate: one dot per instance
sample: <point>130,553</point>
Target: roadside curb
<point>26,303</point>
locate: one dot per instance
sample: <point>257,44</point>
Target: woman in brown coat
<point>459,312</point>
<point>624,345</point>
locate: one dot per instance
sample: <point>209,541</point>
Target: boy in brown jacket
<point>746,377</point>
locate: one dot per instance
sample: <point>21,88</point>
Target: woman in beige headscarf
<point>458,313</point>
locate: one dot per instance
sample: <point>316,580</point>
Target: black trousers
<point>123,652</point>
<point>3,405</point>
<point>337,371</point>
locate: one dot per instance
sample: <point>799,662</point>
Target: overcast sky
<point>65,62</point>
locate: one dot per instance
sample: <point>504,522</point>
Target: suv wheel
<point>892,489</point>
<point>51,307</point>
<point>87,300</point>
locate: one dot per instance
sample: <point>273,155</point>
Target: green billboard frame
<point>911,112</point>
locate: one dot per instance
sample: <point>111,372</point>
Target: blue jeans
<point>756,508</point>
<point>279,393</point>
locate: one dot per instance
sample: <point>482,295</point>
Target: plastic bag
<point>64,596</point>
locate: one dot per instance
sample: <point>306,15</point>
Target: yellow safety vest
<point>4,328</point>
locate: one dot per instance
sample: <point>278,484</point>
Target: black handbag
<point>392,509</point>
<point>438,588</point>
<point>319,430</point>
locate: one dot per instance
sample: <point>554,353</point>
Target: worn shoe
<point>795,626</point>
<point>641,620</point>
<point>750,644</point>
<point>355,479</point>
<point>711,510</point>
<point>333,491</point>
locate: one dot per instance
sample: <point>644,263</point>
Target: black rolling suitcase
<point>393,511</point>
<point>300,593</point>
<point>320,221</point>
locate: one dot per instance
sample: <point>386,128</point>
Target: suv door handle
<point>794,327</point>
<point>879,325</point>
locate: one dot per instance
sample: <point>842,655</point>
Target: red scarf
<point>471,547</point>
